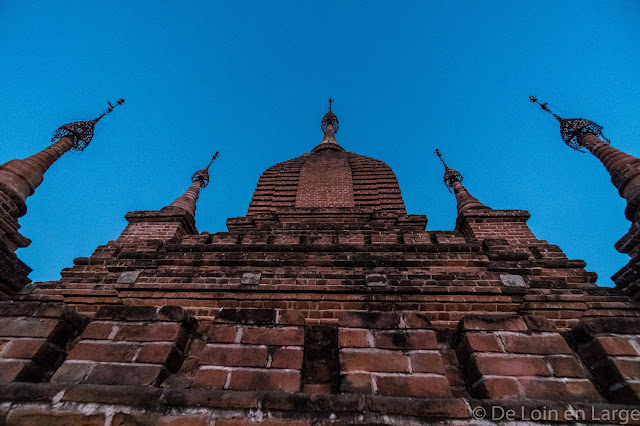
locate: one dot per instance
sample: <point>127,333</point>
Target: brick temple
<point>326,304</point>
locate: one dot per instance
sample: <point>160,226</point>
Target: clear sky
<point>252,79</point>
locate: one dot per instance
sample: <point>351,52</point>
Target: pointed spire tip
<point>450,175</point>
<point>203,175</point>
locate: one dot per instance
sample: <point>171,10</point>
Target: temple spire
<point>573,129</point>
<point>453,181</point>
<point>329,126</point>
<point>22,177</point>
<point>187,201</point>
<point>623,168</point>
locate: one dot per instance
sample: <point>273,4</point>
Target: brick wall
<point>611,350</point>
<point>392,362</point>
<point>128,345</point>
<point>516,358</point>
<point>245,350</point>
<point>325,181</point>
<point>34,339</point>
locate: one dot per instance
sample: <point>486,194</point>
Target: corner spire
<point>453,181</point>
<point>623,168</point>
<point>22,177</point>
<point>187,201</point>
<point>572,130</point>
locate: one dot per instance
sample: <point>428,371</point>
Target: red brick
<point>559,390</point>
<point>126,374</point>
<point>160,353</point>
<point>98,330</point>
<point>497,388</point>
<point>287,358</point>
<point>222,333</point>
<point>317,388</point>
<point>418,319</point>
<point>352,338</point>
<point>27,327</point>
<point>362,319</point>
<point>493,323</point>
<point>415,339</point>
<point>283,336</point>
<point>617,346</point>
<point>535,344</point>
<point>423,362</point>
<point>629,369</point>
<point>105,352</point>
<point>510,365</point>
<point>566,366</point>
<point>414,386</point>
<point>356,383</point>
<point>125,419</point>
<point>166,332</point>
<point>211,379</point>
<point>71,372</point>
<point>371,360</point>
<point>37,417</point>
<point>10,369</point>
<point>477,342</point>
<point>23,348</point>
<point>247,356</point>
<point>265,380</point>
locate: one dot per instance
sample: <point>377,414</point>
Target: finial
<point>572,129</point>
<point>450,175</point>
<point>111,108</point>
<point>329,119</point>
<point>203,175</point>
<point>81,131</point>
<point>545,107</point>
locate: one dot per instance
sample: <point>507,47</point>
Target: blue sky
<point>251,80</point>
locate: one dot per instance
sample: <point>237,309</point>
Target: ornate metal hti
<point>450,175</point>
<point>330,118</point>
<point>81,131</point>
<point>203,175</point>
<point>572,129</point>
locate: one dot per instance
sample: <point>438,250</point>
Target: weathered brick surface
<point>611,351</point>
<point>398,362</point>
<point>13,272</point>
<point>236,353</point>
<point>34,339</point>
<point>504,358</point>
<point>128,346</point>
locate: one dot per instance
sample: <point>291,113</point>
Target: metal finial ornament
<point>329,118</point>
<point>81,131</point>
<point>572,129</point>
<point>203,175</point>
<point>450,175</point>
